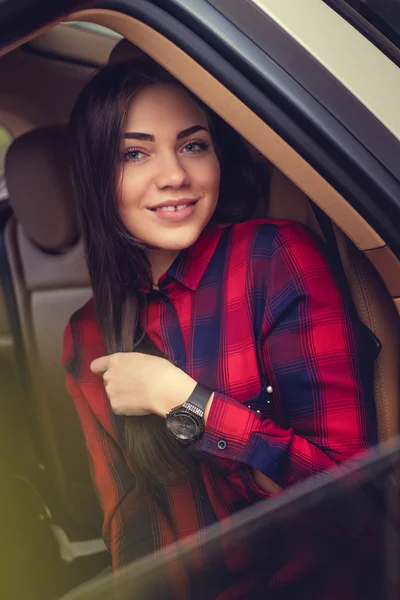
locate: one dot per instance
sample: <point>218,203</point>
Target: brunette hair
<point>117,262</point>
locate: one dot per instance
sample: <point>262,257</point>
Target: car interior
<point>44,279</point>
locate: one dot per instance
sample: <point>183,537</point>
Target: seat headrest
<point>124,51</point>
<point>40,187</point>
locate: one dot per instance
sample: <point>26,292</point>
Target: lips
<point>172,208</point>
<point>175,211</point>
<point>174,205</point>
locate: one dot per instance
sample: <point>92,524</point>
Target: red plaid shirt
<point>248,309</point>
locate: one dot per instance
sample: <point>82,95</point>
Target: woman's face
<point>170,178</point>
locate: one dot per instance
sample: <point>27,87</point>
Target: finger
<point>100,365</point>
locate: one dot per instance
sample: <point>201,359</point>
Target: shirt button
<point>221,445</point>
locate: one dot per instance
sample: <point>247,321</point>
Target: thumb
<point>100,365</point>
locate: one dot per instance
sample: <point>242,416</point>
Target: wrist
<point>176,394</point>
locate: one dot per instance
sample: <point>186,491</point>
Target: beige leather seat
<point>371,299</point>
<point>51,282</point>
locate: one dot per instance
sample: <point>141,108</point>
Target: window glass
<point>94,27</point>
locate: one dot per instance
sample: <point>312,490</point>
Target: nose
<point>171,173</point>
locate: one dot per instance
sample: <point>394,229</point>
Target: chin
<point>178,245</point>
<point>176,239</point>
<point>180,240</point>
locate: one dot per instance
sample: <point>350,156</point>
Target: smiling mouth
<point>174,207</point>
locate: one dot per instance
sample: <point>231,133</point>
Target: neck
<point>160,262</point>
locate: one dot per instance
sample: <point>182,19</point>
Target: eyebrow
<point>148,137</point>
<point>191,131</point>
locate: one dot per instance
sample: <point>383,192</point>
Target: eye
<point>195,147</point>
<point>133,155</point>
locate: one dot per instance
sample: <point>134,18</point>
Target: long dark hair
<point>117,262</point>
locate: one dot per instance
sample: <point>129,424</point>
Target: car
<point>313,87</point>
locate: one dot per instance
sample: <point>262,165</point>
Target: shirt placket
<point>171,332</point>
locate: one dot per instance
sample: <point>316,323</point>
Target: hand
<point>138,384</point>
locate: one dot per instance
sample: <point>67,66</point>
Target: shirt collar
<point>190,265</point>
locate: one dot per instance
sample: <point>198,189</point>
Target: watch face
<point>184,426</point>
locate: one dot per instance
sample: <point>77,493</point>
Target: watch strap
<point>199,399</point>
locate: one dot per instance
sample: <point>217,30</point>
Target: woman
<point>218,363</point>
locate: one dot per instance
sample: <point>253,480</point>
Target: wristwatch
<point>186,422</point>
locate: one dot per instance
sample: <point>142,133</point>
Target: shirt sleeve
<point>132,527</point>
<point>114,484</point>
<point>312,351</point>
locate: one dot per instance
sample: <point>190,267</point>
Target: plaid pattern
<point>250,307</point>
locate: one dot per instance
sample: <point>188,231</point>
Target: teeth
<point>173,208</point>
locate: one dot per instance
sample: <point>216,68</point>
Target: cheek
<point>209,176</point>
<point>134,190</point>
<point>132,194</point>
<point>130,191</point>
